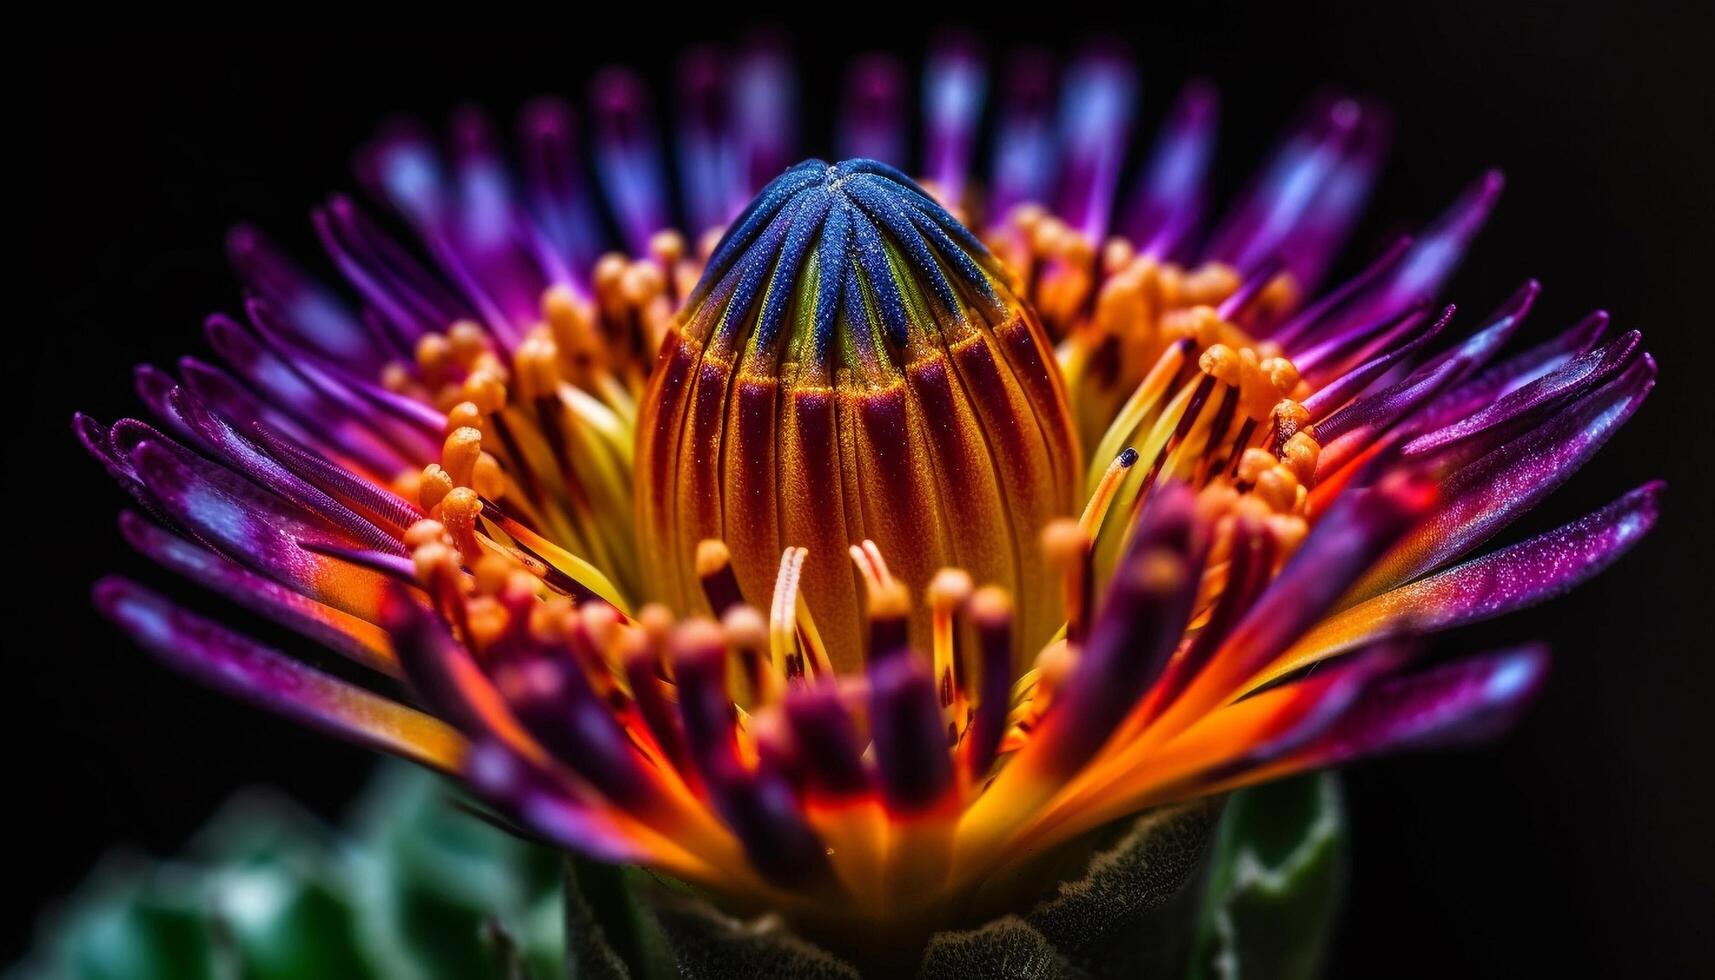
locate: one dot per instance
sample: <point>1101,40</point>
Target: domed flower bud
<point>854,365</point>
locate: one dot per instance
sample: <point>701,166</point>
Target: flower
<point>847,562</point>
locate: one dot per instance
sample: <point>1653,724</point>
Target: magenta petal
<point>1470,699</point>
<point>1515,372</point>
<point>246,458</point>
<point>1485,496</point>
<point>518,788</point>
<point>317,315</point>
<point>242,668</point>
<point>336,630</point>
<point>1506,415</point>
<point>248,528</point>
<point>1498,583</point>
<point>954,80</point>
<point>1171,192</point>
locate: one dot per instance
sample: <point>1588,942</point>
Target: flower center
<point>854,366</point>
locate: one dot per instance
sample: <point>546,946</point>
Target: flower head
<point>770,557</point>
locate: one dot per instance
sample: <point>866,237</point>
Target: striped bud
<point>855,365</point>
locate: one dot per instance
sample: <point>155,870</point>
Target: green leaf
<point>1274,883</point>
<point>420,889</point>
<point>137,936</point>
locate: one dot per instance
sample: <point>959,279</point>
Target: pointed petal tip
<point>89,431</point>
<point>243,241</point>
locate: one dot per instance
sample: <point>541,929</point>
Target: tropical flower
<point>833,556</point>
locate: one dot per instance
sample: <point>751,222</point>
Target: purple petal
<point>1137,629</point>
<point>245,458</point>
<point>1171,192</point>
<point>709,178</point>
<point>1365,419</point>
<point>1498,583</point>
<point>1468,700</point>
<point>826,741</point>
<point>1506,416</point>
<point>410,299</point>
<point>1485,496</point>
<point>759,805</point>
<point>628,157</point>
<point>764,111</point>
<point>317,316</point>
<point>239,667</point>
<point>872,111</point>
<point>1301,204</point>
<point>535,798</point>
<point>557,191</point>
<point>954,80</point>
<point>1097,100</point>
<point>1515,372</point>
<point>341,632</point>
<point>1024,145</point>
<point>254,529</point>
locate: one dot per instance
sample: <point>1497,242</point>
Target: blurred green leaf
<point>420,889</point>
<point>1274,882</point>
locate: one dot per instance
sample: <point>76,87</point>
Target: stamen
<point>645,666</point>
<point>714,570</point>
<point>947,591</point>
<point>889,612</point>
<point>871,564</point>
<point>1290,418</point>
<point>467,465</point>
<point>458,514</point>
<point>1067,547</point>
<point>1145,398</point>
<point>1187,419</point>
<point>559,568</point>
<point>1207,467</point>
<point>827,741</point>
<point>990,610</point>
<point>747,633</point>
<point>782,617</point>
<point>1097,509</point>
<point>1053,664</point>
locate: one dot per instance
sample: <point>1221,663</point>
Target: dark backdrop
<point>1579,842</point>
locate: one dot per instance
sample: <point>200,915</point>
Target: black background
<point>1581,842</point>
